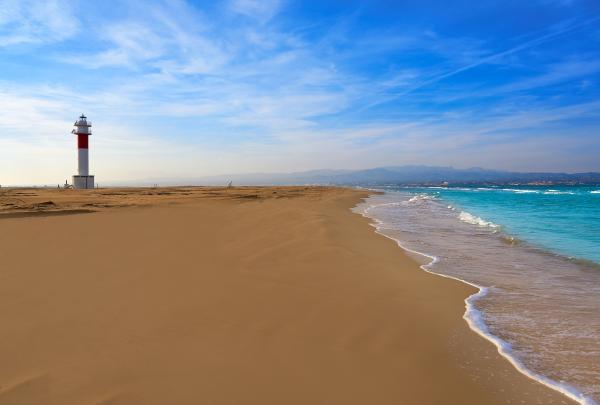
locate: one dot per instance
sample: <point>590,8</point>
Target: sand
<point>229,296</point>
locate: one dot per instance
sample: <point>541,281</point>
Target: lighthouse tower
<point>83,130</point>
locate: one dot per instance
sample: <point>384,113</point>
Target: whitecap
<point>419,198</point>
<point>475,220</point>
<point>556,192</point>
<point>521,191</point>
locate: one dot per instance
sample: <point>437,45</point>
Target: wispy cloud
<point>33,22</point>
<point>262,10</point>
<point>559,29</point>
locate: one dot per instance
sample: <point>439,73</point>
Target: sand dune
<point>229,296</point>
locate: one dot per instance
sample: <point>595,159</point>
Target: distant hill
<point>439,175</point>
<point>400,175</point>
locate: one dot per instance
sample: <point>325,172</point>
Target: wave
<point>556,192</point>
<point>474,220</point>
<point>462,189</point>
<point>595,192</point>
<point>521,190</point>
<point>475,318</point>
<point>420,198</point>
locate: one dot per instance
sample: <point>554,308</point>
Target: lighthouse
<point>83,129</point>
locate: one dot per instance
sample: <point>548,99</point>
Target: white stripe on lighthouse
<point>83,159</point>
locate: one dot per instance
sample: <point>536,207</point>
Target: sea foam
<point>475,220</point>
<point>420,198</point>
<point>556,192</point>
<point>521,191</point>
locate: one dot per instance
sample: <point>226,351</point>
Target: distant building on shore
<point>83,130</point>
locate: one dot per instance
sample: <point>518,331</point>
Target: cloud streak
<point>25,22</point>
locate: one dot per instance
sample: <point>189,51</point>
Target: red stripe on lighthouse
<point>82,141</point>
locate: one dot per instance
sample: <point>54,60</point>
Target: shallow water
<point>542,306</point>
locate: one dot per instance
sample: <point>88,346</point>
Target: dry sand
<point>229,296</point>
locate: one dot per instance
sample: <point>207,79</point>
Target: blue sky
<point>183,89</point>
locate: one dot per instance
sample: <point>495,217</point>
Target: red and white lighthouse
<point>83,131</point>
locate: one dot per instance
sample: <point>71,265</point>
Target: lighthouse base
<point>83,181</point>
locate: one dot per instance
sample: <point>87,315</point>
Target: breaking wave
<point>475,220</point>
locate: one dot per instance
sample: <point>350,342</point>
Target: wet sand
<point>275,295</point>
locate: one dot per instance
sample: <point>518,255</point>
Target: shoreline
<point>259,295</point>
<point>473,317</point>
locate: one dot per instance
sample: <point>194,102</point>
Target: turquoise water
<point>564,220</point>
<point>534,254</point>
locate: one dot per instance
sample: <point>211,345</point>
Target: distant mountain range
<point>401,175</point>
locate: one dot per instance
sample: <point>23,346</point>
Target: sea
<point>534,254</point>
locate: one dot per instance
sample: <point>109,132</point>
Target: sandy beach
<point>275,295</point>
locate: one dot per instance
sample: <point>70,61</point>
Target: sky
<point>185,89</point>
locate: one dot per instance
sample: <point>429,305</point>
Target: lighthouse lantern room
<point>83,129</point>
